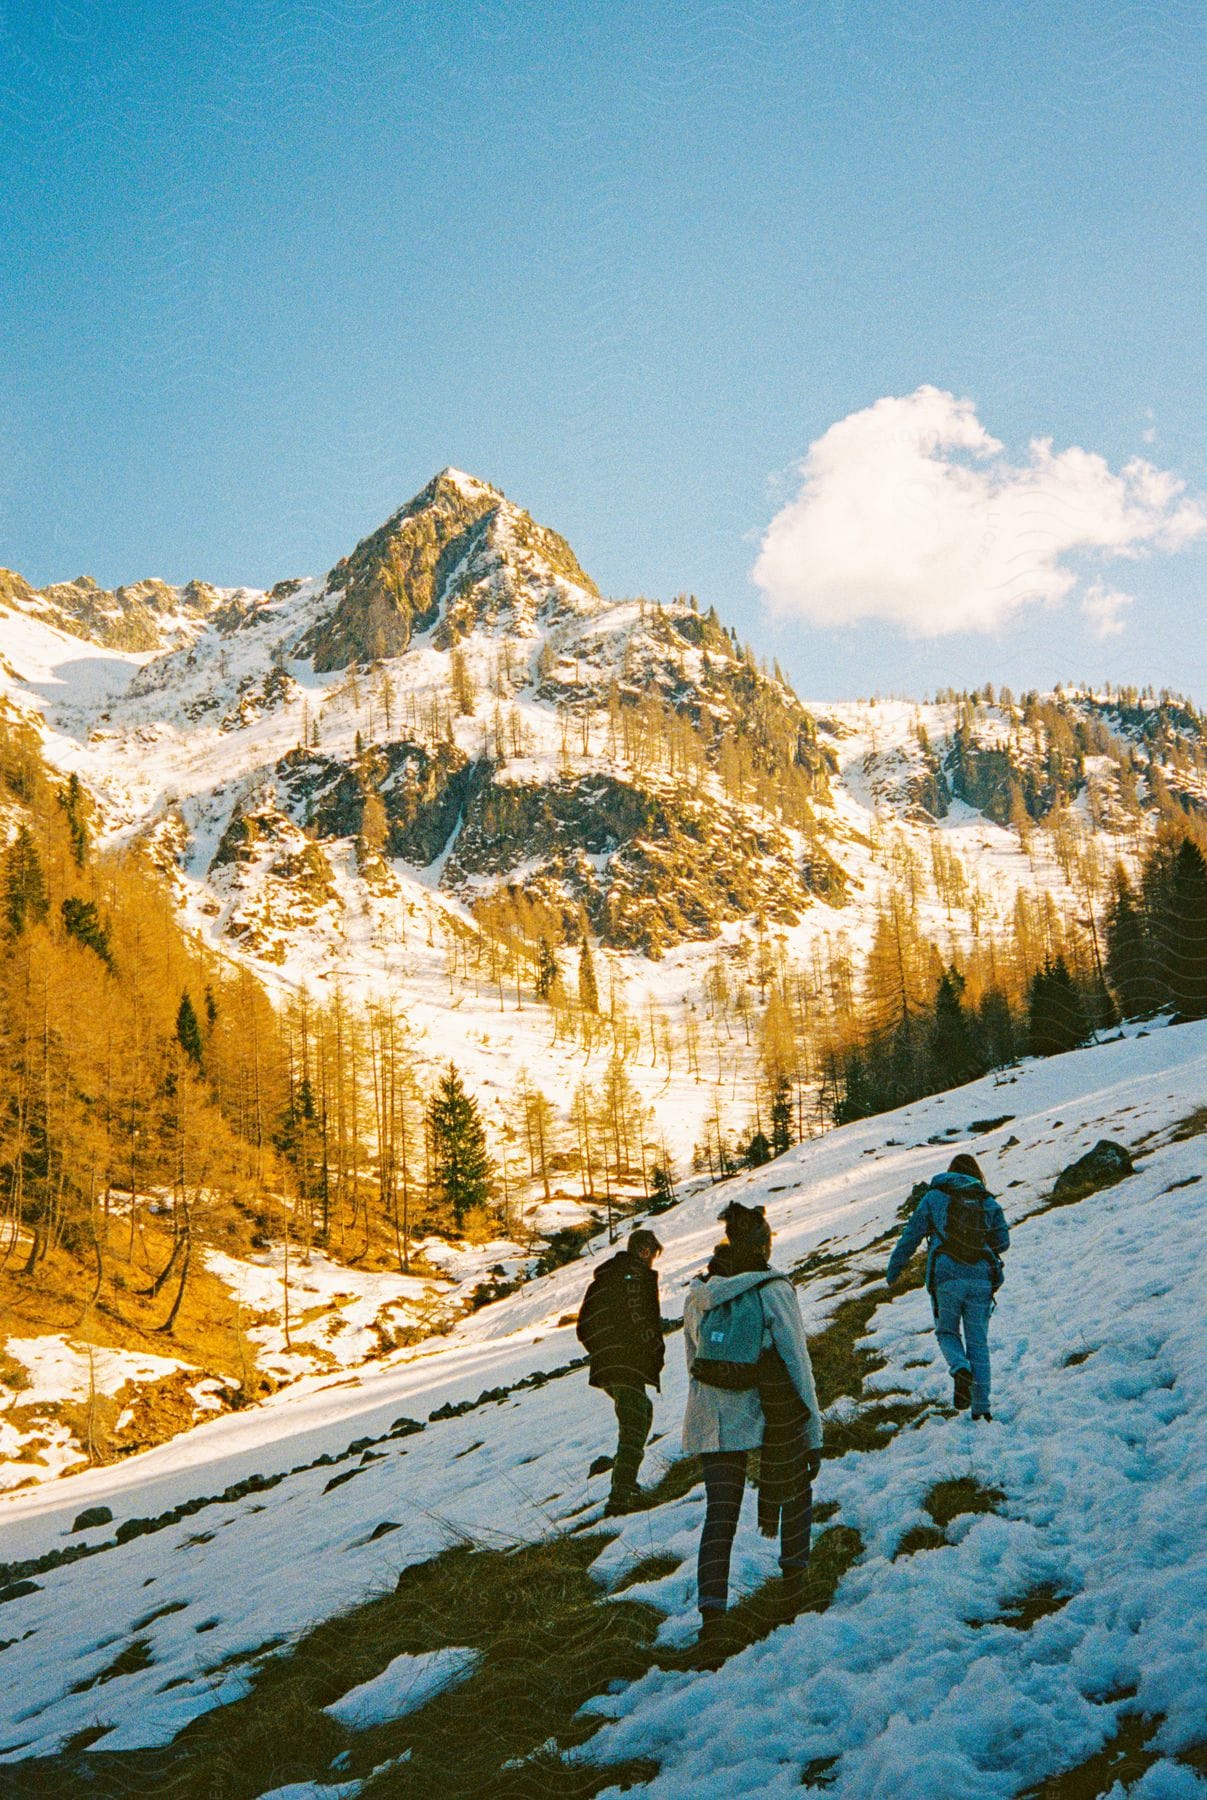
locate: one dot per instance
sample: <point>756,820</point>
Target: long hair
<point>963,1164</point>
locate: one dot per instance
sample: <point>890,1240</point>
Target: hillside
<point>1054,1557</point>
<point>450,802</point>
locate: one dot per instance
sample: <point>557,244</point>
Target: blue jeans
<point>724,1485</point>
<point>963,1303</point>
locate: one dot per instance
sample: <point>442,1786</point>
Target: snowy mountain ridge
<point>460,664</point>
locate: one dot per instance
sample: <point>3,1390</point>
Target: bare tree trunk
<point>187,1240</point>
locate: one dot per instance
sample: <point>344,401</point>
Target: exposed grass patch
<point>920,1537</point>
<point>819,1262</point>
<point>237,1658</point>
<point>1193,1125</point>
<point>548,1639</point>
<point>650,1568</point>
<point>872,1427</point>
<point>948,1500</point>
<point>80,1740</point>
<point>1037,1603</point>
<point>1124,1758</point>
<point>821,1772</point>
<point>129,1660</point>
<point>161,1612</point>
<point>546,1776</point>
<point>841,1360</point>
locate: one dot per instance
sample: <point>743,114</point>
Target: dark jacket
<point>929,1220</point>
<point>620,1324</point>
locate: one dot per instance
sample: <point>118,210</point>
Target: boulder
<point>92,1515</point>
<point>1100,1167</point>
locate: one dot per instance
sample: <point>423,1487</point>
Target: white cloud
<point>910,511</point>
<point>1103,607</point>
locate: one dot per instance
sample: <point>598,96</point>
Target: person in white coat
<point>780,1416</point>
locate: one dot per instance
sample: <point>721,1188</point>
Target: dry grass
<point>945,1501</point>
<point>1124,1758</point>
<point>1039,1602</point>
<point>208,1334</point>
<point>949,1500</point>
<point>548,1639</point>
<point>650,1568</point>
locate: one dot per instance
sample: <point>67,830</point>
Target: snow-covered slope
<point>917,1681</point>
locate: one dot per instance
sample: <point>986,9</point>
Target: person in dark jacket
<point>967,1233</point>
<point>620,1327</point>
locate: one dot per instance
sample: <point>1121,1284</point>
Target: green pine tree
<point>588,987</point>
<point>953,1054</point>
<point>996,1029</point>
<point>662,1187</point>
<point>548,975</point>
<point>1056,1018</point>
<point>1129,965</point>
<point>758,1150</point>
<point>857,1099</point>
<point>461,1166</point>
<point>71,799</point>
<point>188,1031</point>
<point>781,1117</point>
<point>1185,932</point>
<point>82,921</point>
<point>295,1139</point>
<point>26,901</point>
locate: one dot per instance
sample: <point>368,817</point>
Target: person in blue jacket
<point>967,1232</point>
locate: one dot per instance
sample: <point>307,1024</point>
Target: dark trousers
<point>634,1416</point>
<point>724,1485</point>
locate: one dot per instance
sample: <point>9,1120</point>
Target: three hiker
<point>967,1232</point>
<point>751,1382</point>
<point>751,1388</point>
<point>620,1327</point>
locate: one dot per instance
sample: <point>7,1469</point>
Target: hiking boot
<point>987,1416</point>
<point>962,1390</point>
<point>793,1592</point>
<point>718,1639</point>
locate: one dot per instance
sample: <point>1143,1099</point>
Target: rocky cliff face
<point>145,615</point>
<point>457,555</point>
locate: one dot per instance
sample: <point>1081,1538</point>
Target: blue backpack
<point>731,1341</point>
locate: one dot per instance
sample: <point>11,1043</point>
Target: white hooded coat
<point>718,1419</point>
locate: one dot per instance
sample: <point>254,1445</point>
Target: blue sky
<point>268,266</point>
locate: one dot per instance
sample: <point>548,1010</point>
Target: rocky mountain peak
<point>456,555</point>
